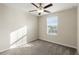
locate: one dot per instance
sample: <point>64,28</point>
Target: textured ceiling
<point>55,8</point>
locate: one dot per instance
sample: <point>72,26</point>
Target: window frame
<point>48,25</point>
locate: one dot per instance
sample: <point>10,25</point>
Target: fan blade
<point>32,10</point>
<point>39,13</point>
<point>47,11</point>
<point>49,5</point>
<point>35,5</point>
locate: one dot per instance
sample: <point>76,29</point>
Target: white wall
<point>12,19</point>
<point>67,28</point>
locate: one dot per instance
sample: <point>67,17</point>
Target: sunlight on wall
<point>18,37</point>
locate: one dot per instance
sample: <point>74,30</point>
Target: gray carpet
<point>40,47</point>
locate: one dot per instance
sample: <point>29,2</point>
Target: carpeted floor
<point>40,47</point>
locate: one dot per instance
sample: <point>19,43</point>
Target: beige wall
<point>12,19</point>
<point>67,28</point>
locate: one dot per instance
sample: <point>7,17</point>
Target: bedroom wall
<point>67,28</point>
<point>12,20</point>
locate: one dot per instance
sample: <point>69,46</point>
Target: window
<point>52,23</point>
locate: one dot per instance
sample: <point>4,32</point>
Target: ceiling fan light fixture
<point>40,11</point>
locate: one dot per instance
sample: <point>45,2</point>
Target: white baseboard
<point>4,50</point>
<point>60,43</point>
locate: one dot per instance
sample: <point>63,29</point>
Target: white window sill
<point>52,33</point>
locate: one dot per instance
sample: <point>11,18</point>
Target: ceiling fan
<point>41,8</point>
